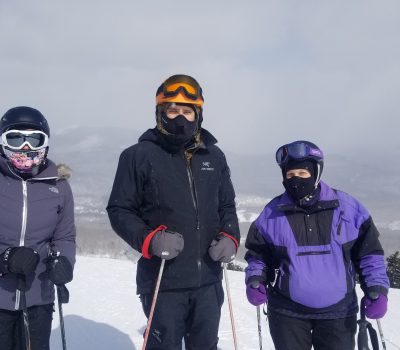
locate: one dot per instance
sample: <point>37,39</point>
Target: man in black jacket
<point>173,199</point>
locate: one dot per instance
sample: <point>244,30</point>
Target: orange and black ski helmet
<point>180,88</point>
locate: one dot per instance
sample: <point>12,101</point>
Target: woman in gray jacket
<point>37,230</point>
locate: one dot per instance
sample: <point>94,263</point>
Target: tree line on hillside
<point>393,269</point>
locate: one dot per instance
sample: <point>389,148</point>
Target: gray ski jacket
<point>37,213</point>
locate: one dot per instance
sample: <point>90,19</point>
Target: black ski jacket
<point>156,185</point>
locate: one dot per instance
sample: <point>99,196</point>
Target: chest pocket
<point>311,229</point>
<point>207,173</point>
<point>343,228</point>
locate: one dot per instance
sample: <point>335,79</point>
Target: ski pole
<point>259,326</point>
<point>153,304</point>
<point>62,298</point>
<point>230,306</point>
<point>378,322</point>
<point>21,287</point>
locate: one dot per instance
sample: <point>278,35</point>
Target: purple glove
<point>256,293</point>
<point>375,308</point>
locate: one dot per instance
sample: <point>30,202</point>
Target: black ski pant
<point>291,333</point>
<point>12,331</point>
<point>190,314</point>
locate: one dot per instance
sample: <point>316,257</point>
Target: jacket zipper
<point>196,206</point>
<point>339,229</point>
<point>193,192</point>
<point>23,232</point>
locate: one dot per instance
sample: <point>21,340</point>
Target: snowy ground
<point>104,312</point>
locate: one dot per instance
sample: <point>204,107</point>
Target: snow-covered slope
<point>104,312</point>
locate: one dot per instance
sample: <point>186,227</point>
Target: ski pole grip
<point>63,294</point>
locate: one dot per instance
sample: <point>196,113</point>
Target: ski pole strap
<point>265,312</point>
<point>147,240</point>
<point>235,241</point>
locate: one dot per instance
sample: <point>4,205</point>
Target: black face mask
<point>180,128</point>
<point>299,187</point>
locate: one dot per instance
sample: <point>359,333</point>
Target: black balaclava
<point>300,189</point>
<point>178,131</point>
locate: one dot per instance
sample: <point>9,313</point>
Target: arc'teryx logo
<point>206,166</point>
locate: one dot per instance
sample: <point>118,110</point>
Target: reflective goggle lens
<point>175,87</point>
<point>188,90</point>
<point>281,154</point>
<point>17,139</point>
<point>298,151</point>
<point>182,84</point>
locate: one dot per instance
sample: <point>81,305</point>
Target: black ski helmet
<point>24,117</point>
<point>181,89</point>
<point>301,151</point>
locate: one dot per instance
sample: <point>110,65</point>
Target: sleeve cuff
<point>232,238</point>
<point>147,240</point>
<point>377,289</point>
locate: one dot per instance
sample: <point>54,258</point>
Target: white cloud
<point>272,71</point>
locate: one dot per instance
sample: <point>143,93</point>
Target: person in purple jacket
<point>37,230</point>
<point>317,239</point>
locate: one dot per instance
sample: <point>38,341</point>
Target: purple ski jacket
<point>37,213</point>
<point>317,254</point>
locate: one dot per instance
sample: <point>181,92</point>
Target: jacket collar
<point>154,135</point>
<point>48,173</point>
<point>327,200</point>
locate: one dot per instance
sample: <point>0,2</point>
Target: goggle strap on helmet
<point>318,177</point>
<point>180,89</point>
<point>298,150</point>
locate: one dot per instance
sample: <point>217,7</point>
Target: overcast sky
<point>271,71</point>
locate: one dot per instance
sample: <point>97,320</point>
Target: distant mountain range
<point>93,153</point>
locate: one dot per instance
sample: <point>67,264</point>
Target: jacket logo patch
<point>206,166</point>
<point>53,189</point>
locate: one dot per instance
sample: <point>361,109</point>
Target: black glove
<point>166,244</point>
<point>19,260</point>
<point>60,270</point>
<point>222,249</point>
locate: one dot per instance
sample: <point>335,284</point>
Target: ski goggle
<point>298,150</point>
<point>18,139</point>
<point>183,85</point>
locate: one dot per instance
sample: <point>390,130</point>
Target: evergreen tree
<point>393,270</point>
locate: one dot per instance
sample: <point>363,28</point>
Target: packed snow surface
<point>105,313</point>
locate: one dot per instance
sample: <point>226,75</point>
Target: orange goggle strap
<point>232,238</point>
<point>179,98</point>
<point>180,89</point>
<point>146,243</point>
